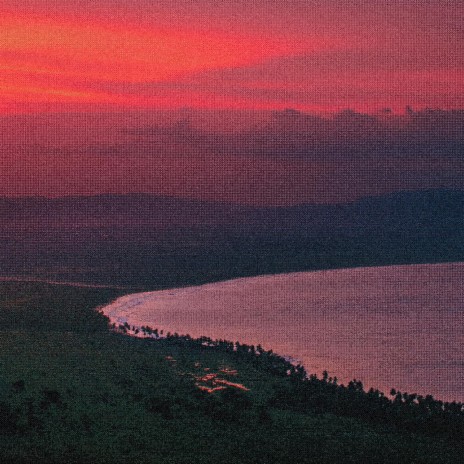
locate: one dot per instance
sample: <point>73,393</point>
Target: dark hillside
<point>153,242</point>
<point>75,395</point>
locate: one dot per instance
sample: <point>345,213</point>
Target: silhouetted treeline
<point>408,412</point>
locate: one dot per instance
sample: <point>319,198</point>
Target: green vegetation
<point>73,391</point>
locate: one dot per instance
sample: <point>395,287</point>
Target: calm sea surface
<point>396,326</point>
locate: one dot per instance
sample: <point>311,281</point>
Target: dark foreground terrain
<point>72,391</point>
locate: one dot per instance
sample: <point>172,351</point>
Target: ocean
<point>390,327</point>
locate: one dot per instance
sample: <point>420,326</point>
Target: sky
<point>310,55</point>
<point>85,87</point>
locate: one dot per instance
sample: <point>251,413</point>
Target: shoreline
<point>233,278</point>
<point>80,385</point>
<point>166,308</point>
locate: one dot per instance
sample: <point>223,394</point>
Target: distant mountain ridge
<point>413,212</point>
<point>139,203</point>
<point>158,242</point>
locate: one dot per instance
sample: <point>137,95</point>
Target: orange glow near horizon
<point>50,61</point>
<point>82,82</point>
<point>119,54</point>
<point>224,56</point>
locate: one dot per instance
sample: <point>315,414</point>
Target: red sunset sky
<point>97,63</point>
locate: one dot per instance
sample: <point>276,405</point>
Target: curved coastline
<point>398,345</point>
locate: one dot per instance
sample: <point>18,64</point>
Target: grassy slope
<point>77,393</point>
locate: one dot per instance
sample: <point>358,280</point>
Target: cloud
<point>363,79</point>
<point>291,133</point>
<point>309,55</point>
<point>284,157</point>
